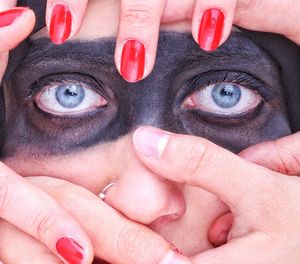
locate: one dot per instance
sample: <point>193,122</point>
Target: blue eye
<point>223,98</point>
<point>70,96</point>
<point>226,95</point>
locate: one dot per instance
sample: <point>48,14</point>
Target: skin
<point>273,27</point>
<point>257,197</point>
<point>173,211</point>
<point>135,15</point>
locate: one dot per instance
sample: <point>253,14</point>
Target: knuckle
<point>199,160</point>
<point>44,221</point>
<point>138,16</point>
<point>130,239</point>
<point>247,4</point>
<point>289,162</point>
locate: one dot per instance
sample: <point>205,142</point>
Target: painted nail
<point>70,250</point>
<point>133,61</point>
<point>9,16</point>
<point>150,141</point>
<point>211,28</point>
<point>61,24</point>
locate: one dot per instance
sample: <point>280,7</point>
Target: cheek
<point>190,233</point>
<point>91,168</point>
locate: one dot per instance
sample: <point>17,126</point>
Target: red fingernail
<point>133,61</point>
<point>211,28</point>
<point>61,24</point>
<point>9,16</point>
<point>70,250</point>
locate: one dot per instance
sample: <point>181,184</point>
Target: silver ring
<point>103,193</point>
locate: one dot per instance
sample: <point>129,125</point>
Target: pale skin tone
<point>95,186</point>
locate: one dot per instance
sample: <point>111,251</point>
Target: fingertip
<point>212,24</point>
<point>135,59</point>
<point>132,56</point>
<point>64,19</point>
<point>73,252</point>
<point>16,26</point>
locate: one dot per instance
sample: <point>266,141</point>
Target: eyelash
<point>59,78</point>
<point>241,78</point>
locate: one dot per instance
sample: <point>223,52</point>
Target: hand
<point>264,204</point>
<point>281,155</point>
<point>34,212</point>
<point>21,203</point>
<point>140,21</point>
<point>115,238</point>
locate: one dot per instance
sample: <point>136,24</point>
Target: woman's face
<point>70,115</point>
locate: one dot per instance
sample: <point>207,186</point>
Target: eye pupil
<point>70,96</point>
<point>226,95</point>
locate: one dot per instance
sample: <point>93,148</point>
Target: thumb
<point>281,155</point>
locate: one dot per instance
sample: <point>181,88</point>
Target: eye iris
<point>70,96</point>
<point>226,95</point>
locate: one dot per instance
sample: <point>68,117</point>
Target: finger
<point>115,238</point>
<point>4,4</point>
<point>64,18</point>
<point>212,22</point>
<point>137,37</point>
<point>281,155</point>
<point>32,252</point>
<point>196,161</point>
<point>282,17</point>
<point>37,214</point>
<point>15,25</point>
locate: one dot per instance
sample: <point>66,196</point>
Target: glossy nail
<point>150,141</point>
<point>61,24</point>
<point>9,16</point>
<point>133,61</point>
<point>211,29</point>
<point>70,250</point>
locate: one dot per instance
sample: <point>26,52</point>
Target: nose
<point>142,195</point>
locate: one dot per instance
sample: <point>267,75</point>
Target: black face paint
<point>181,69</point>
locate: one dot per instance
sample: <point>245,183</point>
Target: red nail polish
<point>133,61</point>
<point>211,28</point>
<point>9,16</point>
<point>61,24</point>
<point>71,251</point>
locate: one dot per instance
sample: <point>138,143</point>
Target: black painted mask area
<point>182,74</point>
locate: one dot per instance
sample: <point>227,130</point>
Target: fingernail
<point>150,141</point>
<point>222,239</point>
<point>211,28</point>
<point>9,16</point>
<point>61,24</point>
<point>173,258</point>
<point>70,250</point>
<point>133,61</point>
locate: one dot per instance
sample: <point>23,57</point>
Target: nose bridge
<point>151,102</point>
